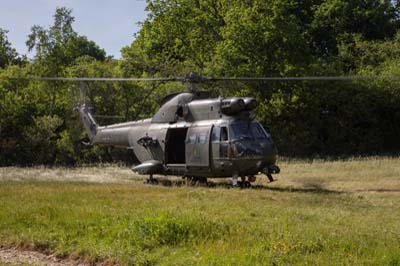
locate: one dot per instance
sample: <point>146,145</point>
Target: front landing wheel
<point>270,178</point>
<point>244,184</point>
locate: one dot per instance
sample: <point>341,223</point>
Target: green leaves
<point>59,46</point>
<point>8,55</point>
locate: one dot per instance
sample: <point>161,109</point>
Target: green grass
<point>317,213</point>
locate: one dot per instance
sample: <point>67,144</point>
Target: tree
<point>58,46</point>
<point>8,55</point>
<point>177,36</point>
<point>33,129</point>
<point>334,20</point>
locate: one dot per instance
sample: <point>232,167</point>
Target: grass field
<point>317,213</point>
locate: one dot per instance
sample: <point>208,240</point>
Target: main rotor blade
<point>200,79</point>
<point>109,116</point>
<point>321,78</point>
<point>82,79</point>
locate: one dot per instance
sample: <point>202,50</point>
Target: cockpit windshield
<point>244,130</point>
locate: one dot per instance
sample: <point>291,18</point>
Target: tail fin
<point>115,134</point>
<point>88,121</point>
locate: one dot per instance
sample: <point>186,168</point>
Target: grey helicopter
<point>193,136</point>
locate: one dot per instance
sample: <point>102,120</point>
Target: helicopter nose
<point>270,152</point>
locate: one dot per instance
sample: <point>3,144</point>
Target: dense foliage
<point>219,38</point>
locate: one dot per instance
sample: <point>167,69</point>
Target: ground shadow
<point>377,190</point>
<point>227,185</point>
<point>316,190</point>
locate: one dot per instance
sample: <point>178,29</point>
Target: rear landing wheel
<point>196,181</point>
<point>201,181</point>
<point>151,180</point>
<point>189,180</point>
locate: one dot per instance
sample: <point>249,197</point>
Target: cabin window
<point>216,132</point>
<point>220,136</point>
<point>192,139</point>
<point>202,138</point>
<point>223,152</point>
<point>224,134</point>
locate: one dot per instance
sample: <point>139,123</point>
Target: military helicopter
<point>193,136</point>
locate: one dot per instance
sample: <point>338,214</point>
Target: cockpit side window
<point>257,131</point>
<point>243,130</point>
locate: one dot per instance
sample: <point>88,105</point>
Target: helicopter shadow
<point>227,185</point>
<point>314,190</point>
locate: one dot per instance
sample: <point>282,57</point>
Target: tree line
<point>220,38</point>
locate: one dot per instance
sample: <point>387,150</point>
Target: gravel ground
<point>13,256</point>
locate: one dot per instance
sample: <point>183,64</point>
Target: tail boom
<point>116,134</point>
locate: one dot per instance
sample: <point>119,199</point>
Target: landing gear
<point>243,183</point>
<point>196,181</point>
<point>235,180</point>
<point>269,170</point>
<point>151,180</point>
<point>252,179</point>
<point>270,178</point>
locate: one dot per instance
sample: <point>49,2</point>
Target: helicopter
<point>193,136</point>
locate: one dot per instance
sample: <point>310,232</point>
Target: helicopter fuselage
<point>195,138</point>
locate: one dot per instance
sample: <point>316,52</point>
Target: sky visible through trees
<point>111,24</point>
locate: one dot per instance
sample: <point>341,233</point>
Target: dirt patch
<point>15,256</point>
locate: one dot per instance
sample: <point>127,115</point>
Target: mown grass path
<point>317,213</point>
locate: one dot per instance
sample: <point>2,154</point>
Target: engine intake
<point>250,103</point>
<point>235,105</point>
<point>232,106</point>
